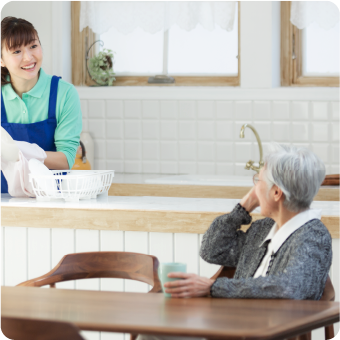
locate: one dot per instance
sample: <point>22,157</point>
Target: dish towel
<point>16,173</point>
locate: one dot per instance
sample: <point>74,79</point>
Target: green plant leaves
<point>99,67</point>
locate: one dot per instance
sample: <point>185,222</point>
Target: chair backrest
<point>106,264</point>
<point>328,292</point>
<point>30,329</point>
<point>327,295</point>
<point>224,272</point>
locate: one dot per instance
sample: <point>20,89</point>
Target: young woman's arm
<point>56,161</point>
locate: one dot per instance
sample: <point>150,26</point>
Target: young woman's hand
<point>250,201</point>
<point>192,285</point>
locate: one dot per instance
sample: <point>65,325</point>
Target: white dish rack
<point>71,185</point>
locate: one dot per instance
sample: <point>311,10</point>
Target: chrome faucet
<point>250,165</point>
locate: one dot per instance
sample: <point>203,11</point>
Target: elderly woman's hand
<point>250,201</point>
<point>192,285</point>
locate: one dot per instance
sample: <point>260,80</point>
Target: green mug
<point>169,267</point>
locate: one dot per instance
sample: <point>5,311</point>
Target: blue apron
<point>40,133</point>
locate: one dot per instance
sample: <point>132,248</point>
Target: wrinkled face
<point>23,63</point>
<point>266,199</point>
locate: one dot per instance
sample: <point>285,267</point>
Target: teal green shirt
<point>33,108</point>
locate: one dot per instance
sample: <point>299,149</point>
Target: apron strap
<point>53,97</point>
<point>3,111</point>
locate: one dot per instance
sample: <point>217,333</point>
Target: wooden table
<point>155,314</point>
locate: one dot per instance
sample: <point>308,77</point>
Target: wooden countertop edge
<point>200,191</point>
<point>166,221</point>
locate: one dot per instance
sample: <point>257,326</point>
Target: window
<point>309,57</point>
<point>197,57</point>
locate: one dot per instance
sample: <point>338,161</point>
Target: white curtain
<point>153,16</point>
<point>303,13</point>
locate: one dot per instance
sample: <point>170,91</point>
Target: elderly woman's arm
<point>303,277</point>
<point>223,242</point>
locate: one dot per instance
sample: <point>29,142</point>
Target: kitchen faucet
<point>250,165</point>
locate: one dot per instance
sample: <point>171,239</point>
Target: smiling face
<point>19,61</point>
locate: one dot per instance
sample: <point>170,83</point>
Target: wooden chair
<point>30,329</point>
<point>327,295</point>
<point>106,264</point>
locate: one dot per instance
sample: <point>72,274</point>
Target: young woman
<point>36,107</point>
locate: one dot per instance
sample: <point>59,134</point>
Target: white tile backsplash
<point>299,110</point>
<point>114,109</point>
<point>280,110</point>
<point>150,167</point>
<point>132,129</point>
<point>132,109</point>
<point>206,168</point>
<point>224,110</point>
<point>187,151</point>
<point>169,109</point>
<point>169,151</point>
<point>132,150</point>
<point>187,168</point>
<point>169,129</point>
<point>261,110</point>
<point>114,129</point>
<point>187,110</point>
<point>84,108</point>
<point>150,130</point>
<point>205,151</point>
<point>224,130</point>
<point>114,150</point>
<point>300,132</point>
<point>187,130</point>
<point>205,130</point>
<point>96,127</point>
<point>281,131</point>
<point>150,150</point>
<point>224,152</point>
<point>150,109</point>
<point>335,132</point>
<point>169,168</point>
<point>202,136</point>
<point>96,108</point>
<point>335,153</point>
<point>243,110</point>
<point>335,110</point>
<point>205,110</point>
<point>320,132</point>
<point>320,111</point>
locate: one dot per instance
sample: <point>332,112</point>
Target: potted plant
<point>101,68</point>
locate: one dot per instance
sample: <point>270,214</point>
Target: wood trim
<point>199,191</point>
<point>79,47</point>
<point>179,80</point>
<point>173,190</point>
<point>80,75</point>
<point>292,55</point>
<point>126,220</point>
<point>286,45</point>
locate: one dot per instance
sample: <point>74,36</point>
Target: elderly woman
<point>286,255</point>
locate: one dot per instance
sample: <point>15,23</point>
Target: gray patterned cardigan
<point>299,270</point>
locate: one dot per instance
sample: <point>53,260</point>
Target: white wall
<point>52,20</point>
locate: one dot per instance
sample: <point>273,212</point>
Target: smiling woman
<point>36,107</point>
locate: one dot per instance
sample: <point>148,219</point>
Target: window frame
<point>80,77</point>
<point>291,55</point>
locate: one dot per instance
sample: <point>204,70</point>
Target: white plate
<point>42,176</point>
<point>9,149</point>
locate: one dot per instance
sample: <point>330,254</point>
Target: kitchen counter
<point>129,213</point>
<point>195,186</point>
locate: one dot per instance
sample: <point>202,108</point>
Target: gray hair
<point>297,171</point>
